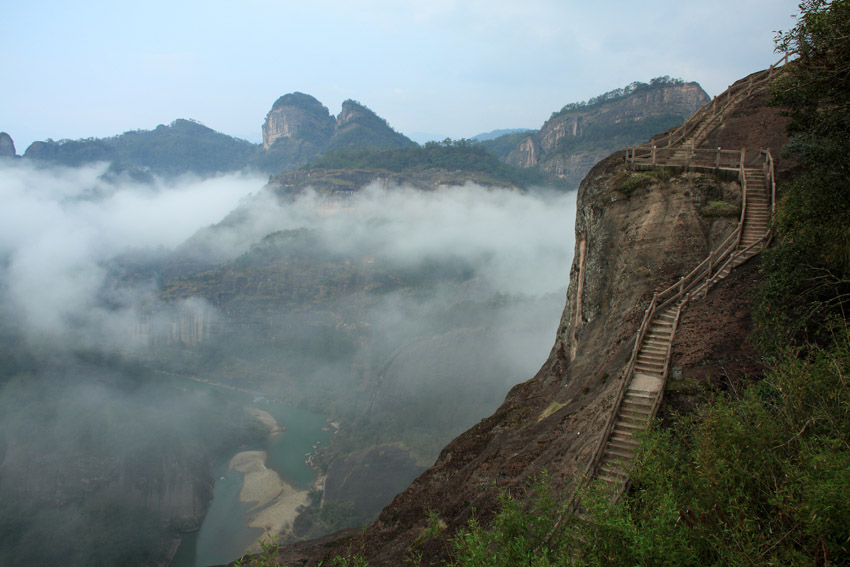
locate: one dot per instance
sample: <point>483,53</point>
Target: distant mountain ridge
<point>299,129</point>
<point>493,134</point>
<point>182,146</point>
<point>581,134</point>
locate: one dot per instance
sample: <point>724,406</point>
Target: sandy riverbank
<point>276,502</point>
<point>267,420</point>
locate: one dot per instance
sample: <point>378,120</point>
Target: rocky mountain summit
<point>299,128</point>
<point>581,134</point>
<point>7,145</point>
<point>636,234</point>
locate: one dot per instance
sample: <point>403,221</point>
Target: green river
<point>224,535</point>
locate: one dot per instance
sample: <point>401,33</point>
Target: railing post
<point>681,284</point>
<point>717,160</point>
<point>710,262</point>
<point>653,155</point>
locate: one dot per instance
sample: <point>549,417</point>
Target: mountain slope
<point>581,134</point>
<point>635,234</point>
<point>182,146</point>
<point>299,129</point>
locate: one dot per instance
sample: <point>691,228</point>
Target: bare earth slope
<point>635,234</point>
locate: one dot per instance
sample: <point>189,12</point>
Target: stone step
<point>641,409</point>
<point>657,348</point>
<point>609,467</point>
<point>655,334</point>
<point>637,400</point>
<point>637,393</point>
<point>651,359</point>
<point>653,372</point>
<point>619,453</point>
<point>654,364</point>
<point>645,380</point>
<point>613,467</point>
<point>658,352</point>
<point>628,447</point>
<point>636,416</point>
<point>610,480</point>
<point>648,356</point>
<point>625,439</point>
<point>646,360</point>
<point>621,426</point>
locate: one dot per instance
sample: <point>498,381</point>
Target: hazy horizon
<point>444,68</point>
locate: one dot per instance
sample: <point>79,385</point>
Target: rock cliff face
<point>7,146</point>
<point>297,115</point>
<point>578,136</point>
<point>299,128</point>
<point>634,236</point>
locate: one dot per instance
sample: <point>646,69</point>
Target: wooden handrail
<point>621,392</point>
<point>756,82</point>
<point>722,255</point>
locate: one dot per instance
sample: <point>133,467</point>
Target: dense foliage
<point>601,135</point>
<point>183,146</point>
<point>463,155</point>
<point>755,480</point>
<point>757,477</point>
<point>504,144</point>
<point>808,272</point>
<point>617,94</point>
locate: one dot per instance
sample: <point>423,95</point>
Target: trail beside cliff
<point>636,233</point>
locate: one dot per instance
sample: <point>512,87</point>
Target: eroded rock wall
<point>636,234</point>
<point>629,244</point>
<point>295,116</point>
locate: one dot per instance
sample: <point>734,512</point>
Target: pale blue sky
<point>443,67</point>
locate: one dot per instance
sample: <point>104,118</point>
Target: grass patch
<point>553,407</point>
<point>721,209</point>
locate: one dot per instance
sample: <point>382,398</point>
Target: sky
<point>432,68</point>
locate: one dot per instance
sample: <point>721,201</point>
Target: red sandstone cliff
<point>633,237</point>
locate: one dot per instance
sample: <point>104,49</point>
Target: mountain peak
<point>295,116</point>
<point>7,145</point>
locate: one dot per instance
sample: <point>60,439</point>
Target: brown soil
<point>637,242</point>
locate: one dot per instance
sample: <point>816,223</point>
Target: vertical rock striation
<point>636,234</point>
<point>7,145</point>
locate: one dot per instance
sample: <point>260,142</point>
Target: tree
<point>808,272</point>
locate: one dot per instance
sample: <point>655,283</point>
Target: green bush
<point>721,209</point>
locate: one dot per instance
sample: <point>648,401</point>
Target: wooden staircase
<point>645,376</point>
<point>640,400</point>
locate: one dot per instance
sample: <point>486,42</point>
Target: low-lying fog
<point>406,314</point>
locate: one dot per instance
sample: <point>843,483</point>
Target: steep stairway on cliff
<point>645,376</point>
<point>639,400</point>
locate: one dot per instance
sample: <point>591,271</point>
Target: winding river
<point>225,534</point>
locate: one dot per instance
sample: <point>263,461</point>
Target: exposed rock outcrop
<point>298,116</point>
<point>299,128</point>
<point>7,145</point>
<point>578,136</point>
<point>635,234</point>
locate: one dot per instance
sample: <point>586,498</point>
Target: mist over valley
<point>401,315</point>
